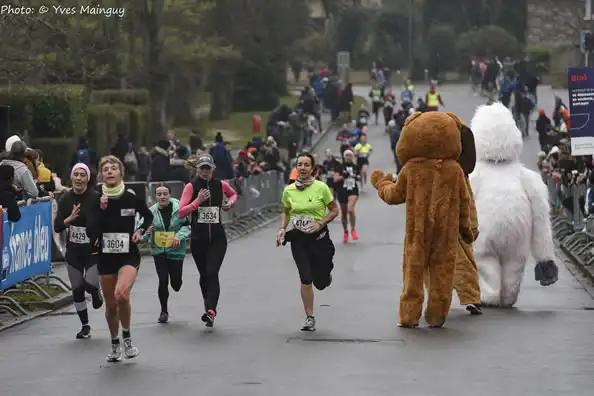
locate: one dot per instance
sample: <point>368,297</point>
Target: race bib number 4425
<point>208,214</point>
<point>114,242</point>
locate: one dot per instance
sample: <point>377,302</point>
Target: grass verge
<point>28,298</point>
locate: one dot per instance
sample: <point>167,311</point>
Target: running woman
<point>309,207</point>
<point>167,236</point>
<point>111,225</point>
<point>204,198</point>
<point>330,165</point>
<point>81,255</point>
<point>363,151</point>
<point>345,180</point>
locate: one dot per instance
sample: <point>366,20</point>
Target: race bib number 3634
<point>114,242</point>
<point>208,215</point>
<point>78,235</point>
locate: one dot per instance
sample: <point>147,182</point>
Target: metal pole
<point>410,37</point>
<point>586,58</point>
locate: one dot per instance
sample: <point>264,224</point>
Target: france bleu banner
<point>26,245</point>
<point>581,110</point>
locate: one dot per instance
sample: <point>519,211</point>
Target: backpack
<point>83,156</point>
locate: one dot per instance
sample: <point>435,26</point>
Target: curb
<point>234,233</point>
<point>49,306</point>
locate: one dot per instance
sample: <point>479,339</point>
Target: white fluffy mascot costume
<point>513,210</point>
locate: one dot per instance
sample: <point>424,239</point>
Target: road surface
<point>543,347</point>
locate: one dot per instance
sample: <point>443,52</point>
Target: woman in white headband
<point>81,255</point>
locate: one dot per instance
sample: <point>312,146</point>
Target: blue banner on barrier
<point>26,245</point>
<point>581,110</point>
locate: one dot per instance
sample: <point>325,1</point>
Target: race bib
<point>376,99</point>
<point>349,183</point>
<point>302,222</point>
<point>164,239</point>
<point>115,242</point>
<point>208,215</point>
<point>78,235</point>
<point>362,155</point>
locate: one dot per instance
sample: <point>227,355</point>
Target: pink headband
<point>81,166</point>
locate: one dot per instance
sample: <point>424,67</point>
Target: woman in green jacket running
<point>167,237</point>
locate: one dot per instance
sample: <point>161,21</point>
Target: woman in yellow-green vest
<point>167,236</point>
<point>433,99</point>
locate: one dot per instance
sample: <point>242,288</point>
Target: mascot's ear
<point>412,117</point>
<point>456,119</point>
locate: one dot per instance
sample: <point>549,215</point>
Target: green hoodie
<point>179,226</point>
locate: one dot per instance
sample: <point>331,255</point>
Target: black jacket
<point>9,203</point>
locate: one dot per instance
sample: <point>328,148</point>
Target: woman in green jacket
<point>167,237</point>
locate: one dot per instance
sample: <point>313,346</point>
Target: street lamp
<point>410,37</point>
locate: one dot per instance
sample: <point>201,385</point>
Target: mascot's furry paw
<point>546,272</point>
<point>376,176</point>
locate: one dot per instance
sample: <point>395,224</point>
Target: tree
<point>439,43</point>
<point>488,41</point>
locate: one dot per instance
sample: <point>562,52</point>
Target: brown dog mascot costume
<point>466,280</point>
<point>438,210</point>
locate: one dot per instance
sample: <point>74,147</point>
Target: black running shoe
<point>474,309</point>
<point>97,299</point>
<point>209,317</point>
<point>84,333</point>
<point>163,318</point>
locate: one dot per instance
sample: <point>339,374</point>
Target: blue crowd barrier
<point>27,245</point>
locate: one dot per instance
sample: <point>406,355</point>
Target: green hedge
<point>46,111</point>
<point>57,153</point>
<point>135,97</point>
<point>106,120</point>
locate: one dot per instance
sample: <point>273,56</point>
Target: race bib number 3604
<point>78,235</point>
<point>208,215</point>
<point>114,242</point>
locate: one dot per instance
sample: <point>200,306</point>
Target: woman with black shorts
<point>81,255</point>
<point>203,199</point>
<point>111,224</point>
<point>345,182</point>
<point>309,206</point>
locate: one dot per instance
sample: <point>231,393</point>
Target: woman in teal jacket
<point>167,237</point>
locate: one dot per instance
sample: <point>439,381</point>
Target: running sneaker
<point>309,324</point>
<point>97,299</point>
<point>163,318</point>
<point>84,333</point>
<point>130,351</point>
<point>346,237</point>
<point>354,234</point>
<point>116,353</point>
<point>209,317</point>
<point>474,309</point>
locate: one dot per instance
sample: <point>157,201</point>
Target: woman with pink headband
<point>81,255</point>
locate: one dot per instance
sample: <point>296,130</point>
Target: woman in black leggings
<point>204,198</point>
<point>167,236</point>
<point>81,255</point>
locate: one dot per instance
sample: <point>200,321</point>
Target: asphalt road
<point>543,347</point>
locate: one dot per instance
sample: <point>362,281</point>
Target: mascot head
<point>467,158</point>
<point>432,135</point>
<point>496,135</point>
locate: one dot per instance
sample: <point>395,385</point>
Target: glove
<point>546,272</point>
<point>376,176</point>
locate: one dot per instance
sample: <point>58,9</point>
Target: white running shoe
<point>130,351</point>
<point>116,353</point>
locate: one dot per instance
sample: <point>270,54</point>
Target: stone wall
<point>555,24</point>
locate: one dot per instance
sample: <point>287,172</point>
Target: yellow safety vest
<point>433,99</point>
<point>377,95</point>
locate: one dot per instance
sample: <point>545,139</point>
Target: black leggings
<point>314,255</point>
<point>83,276</point>
<point>209,256</point>
<point>168,270</point>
